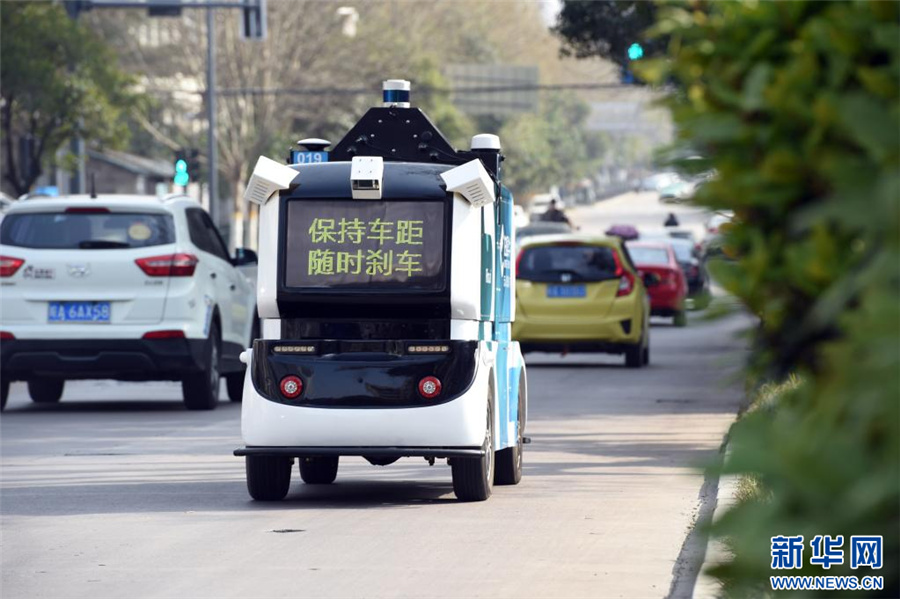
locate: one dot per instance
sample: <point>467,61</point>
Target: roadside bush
<point>796,105</point>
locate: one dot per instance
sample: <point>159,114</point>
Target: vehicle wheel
<point>680,319</point>
<point>234,382</point>
<point>268,477</point>
<point>509,460</point>
<point>4,393</point>
<point>46,390</point>
<point>646,354</point>
<point>634,355</point>
<point>319,471</point>
<point>473,477</point>
<point>200,390</point>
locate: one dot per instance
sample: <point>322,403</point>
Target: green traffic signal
<point>635,51</point>
<point>181,175</point>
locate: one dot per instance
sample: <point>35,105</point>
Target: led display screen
<point>363,244</point>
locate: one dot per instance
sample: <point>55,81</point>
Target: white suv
<point>132,288</point>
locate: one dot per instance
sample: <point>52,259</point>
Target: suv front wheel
<point>200,390</point>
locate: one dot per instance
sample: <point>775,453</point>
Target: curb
<point>708,587</point>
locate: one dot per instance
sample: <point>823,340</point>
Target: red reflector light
<point>626,279</point>
<point>87,210</point>
<point>6,336</point>
<point>171,265</point>
<point>429,387</point>
<point>174,334</point>
<point>291,386</point>
<point>9,265</point>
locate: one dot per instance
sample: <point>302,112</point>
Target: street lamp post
<point>213,150</point>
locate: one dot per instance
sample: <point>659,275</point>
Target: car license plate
<point>566,291</point>
<point>79,312</point>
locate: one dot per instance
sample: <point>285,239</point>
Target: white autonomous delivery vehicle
<point>386,293</point>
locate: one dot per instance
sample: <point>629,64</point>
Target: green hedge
<point>796,105</point>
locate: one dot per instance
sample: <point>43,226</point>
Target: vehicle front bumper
<point>121,359</point>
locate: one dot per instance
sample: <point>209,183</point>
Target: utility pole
<point>254,28</point>
<point>213,149</point>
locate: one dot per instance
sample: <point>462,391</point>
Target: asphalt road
<point>119,492</point>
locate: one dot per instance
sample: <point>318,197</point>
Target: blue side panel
<point>503,281</point>
<point>488,269</point>
<point>504,298</point>
<point>515,370</point>
<point>508,371</point>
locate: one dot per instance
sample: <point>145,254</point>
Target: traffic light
<point>253,22</point>
<point>634,52</point>
<point>187,165</point>
<point>181,173</point>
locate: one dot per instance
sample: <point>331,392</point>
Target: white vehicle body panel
<point>139,303</point>
<point>458,423</point>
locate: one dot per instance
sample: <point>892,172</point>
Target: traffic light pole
<point>213,150</point>
<point>254,28</point>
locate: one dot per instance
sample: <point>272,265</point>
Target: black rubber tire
<point>680,319</point>
<point>319,471</point>
<point>509,461</point>
<point>268,477</point>
<point>4,393</point>
<point>46,390</point>
<point>646,355</point>
<point>200,391</point>
<point>474,477</point>
<point>634,355</point>
<point>234,382</point>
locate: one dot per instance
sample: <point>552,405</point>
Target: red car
<point>658,266</point>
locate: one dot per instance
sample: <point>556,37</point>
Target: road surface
<point>119,492</point>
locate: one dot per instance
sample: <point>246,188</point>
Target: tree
<point>168,54</point>
<point>796,108</point>
<point>606,28</point>
<point>58,80</point>
<point>550,147</point>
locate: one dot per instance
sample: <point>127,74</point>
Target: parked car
<point>687,253</point>
<point>717,220</point>
<point>122,287</point>
<point>712,245</point>
<point>541,228</point>
<point>666,284</point>
<point>677,192</point>
<point>657,181</point>
<point>579,293</point>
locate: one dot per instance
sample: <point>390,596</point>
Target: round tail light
<point>430,387</point>
<point>291,386</point>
